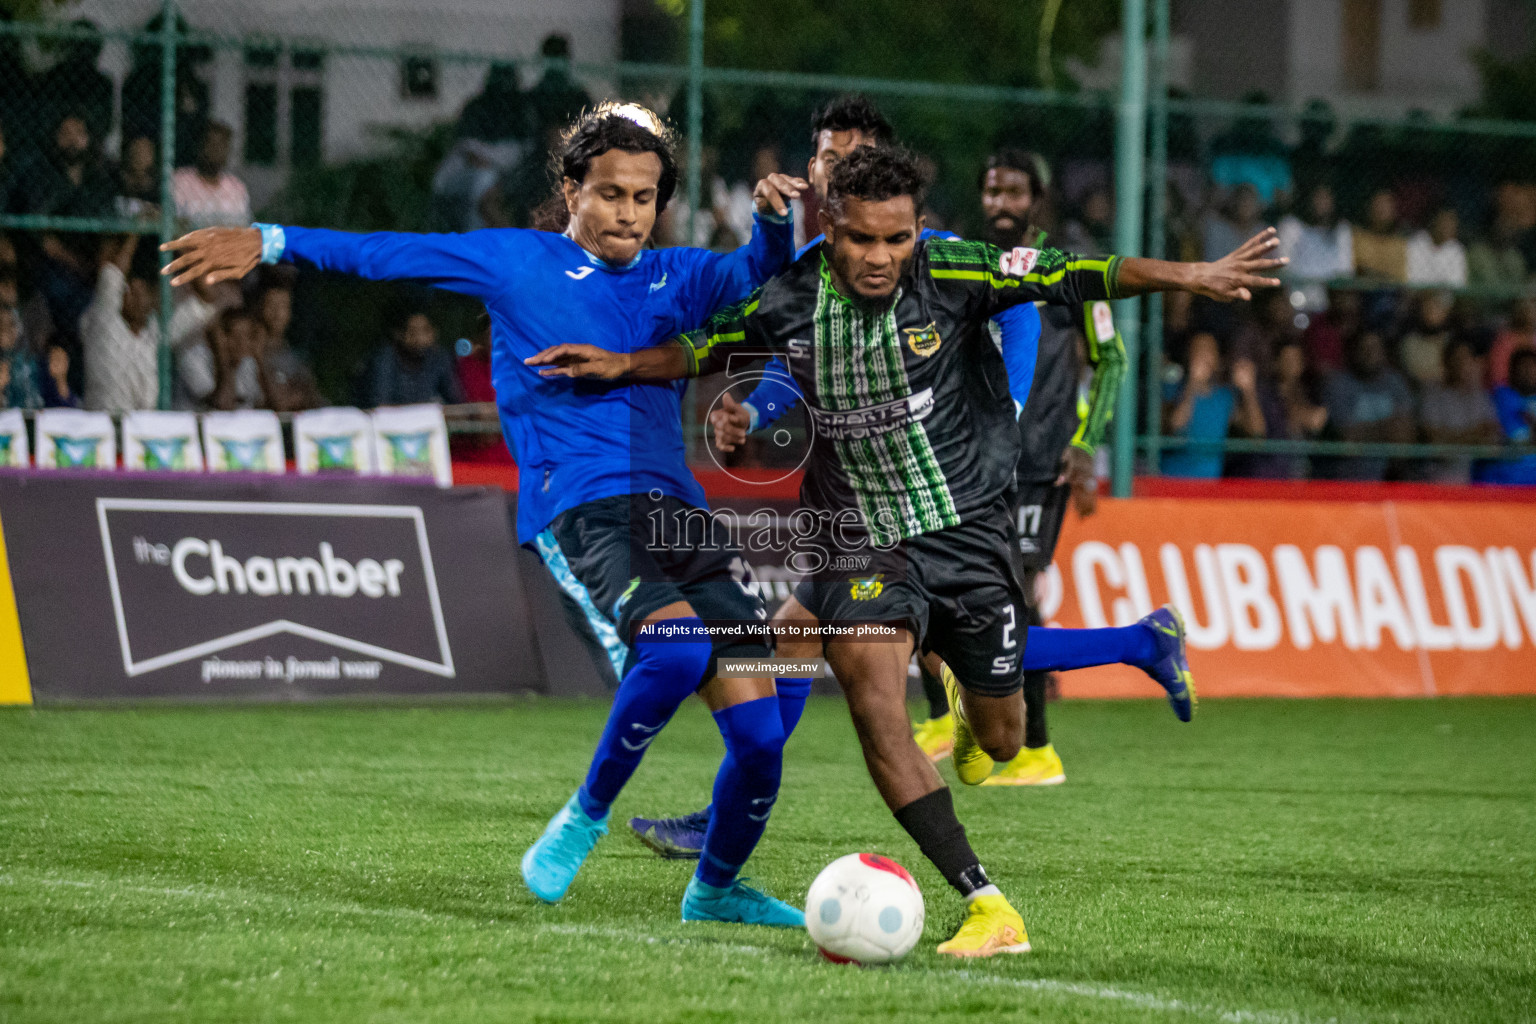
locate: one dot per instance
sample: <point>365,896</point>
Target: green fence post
<point>1130,182</point>
<point>1157,215</point>
<point>167,197</point>
<point>695,111</point>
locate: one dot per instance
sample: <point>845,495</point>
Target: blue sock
<point>745,788</point>
<point>792,697</point>
<point>1059,650</point>
<point>661,676</point>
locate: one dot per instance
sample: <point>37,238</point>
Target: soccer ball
<point>865,909</point>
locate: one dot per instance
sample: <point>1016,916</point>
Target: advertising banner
<point>1311,599</point>
<point>255,587</point>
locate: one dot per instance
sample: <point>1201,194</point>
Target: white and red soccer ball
<point>864,909</point>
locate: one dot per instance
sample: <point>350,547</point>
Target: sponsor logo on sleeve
<point>1018,262</point>
<point>1103,321</point>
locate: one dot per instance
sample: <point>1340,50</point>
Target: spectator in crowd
<point>1519,333</point>
<point>138,179</point>
<point>224,371</point>
<point>141,93</point>
<point>68,180</point>
<point>75,83</point>
<point>1270,326</point>
<point>287,380</point>
<point>556,98</point>
<point>1234,222</point>
<point>206,194</point>
<point>1366,402</point>
<point>1320,246</point>
<point>20,367</point>
<point>1381,251</point>
<point>57,392</point>
<point>1199,406</point>
<point>1515,404</point>
<point>1325,334</point>
<point>119,331</point>
<point>1495,261</point>
<point>474,363</point>
<point>1251,154</point>
<point>1421,352</point>
<point>498,112</point>
<point>1091,230</point>
<point>1304,417</point>
<point>412,368</point>
<point>1311,158</point>
<point>1458,411</point>
<point>1435,255</point>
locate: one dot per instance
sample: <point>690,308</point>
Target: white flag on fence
<point>335,440</point>
<point>75,439</point>
<point>247,441</point>
<point>412,440</point>
<point>13,440</point>
<point>161,441</point>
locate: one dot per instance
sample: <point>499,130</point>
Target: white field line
<point>1086,990</point>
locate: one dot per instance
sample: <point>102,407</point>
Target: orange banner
<point>1311,599</point>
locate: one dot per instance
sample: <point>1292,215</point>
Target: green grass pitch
<point>1273,862</point>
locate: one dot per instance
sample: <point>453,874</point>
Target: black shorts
<point>957,591</point>
<point>1039,509</point>
<point>625,566</point>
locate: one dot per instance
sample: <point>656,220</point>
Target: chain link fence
<point>1412,241</point>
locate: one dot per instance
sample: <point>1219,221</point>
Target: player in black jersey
<point>1059,430</point>
<point>911,467</point>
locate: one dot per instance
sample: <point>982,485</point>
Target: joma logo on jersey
<point>868,588</point>
<point>1018,262</point>
<point>925,341</point>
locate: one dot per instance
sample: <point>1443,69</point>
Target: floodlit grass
<point>1305,861</point>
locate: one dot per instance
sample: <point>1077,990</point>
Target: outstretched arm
<point>1234,276</point>
<point>723,278</point>
<point>474,264</point>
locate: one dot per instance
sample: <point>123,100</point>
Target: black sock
<point>933,689</point>
<point>1036,735</point>
<point>931,821</point>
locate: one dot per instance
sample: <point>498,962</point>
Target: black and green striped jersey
<point>912,424</point>
<point>1053,417</point>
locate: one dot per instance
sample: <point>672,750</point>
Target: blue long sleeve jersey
<point>1018,331</point>
<point>575,441</point>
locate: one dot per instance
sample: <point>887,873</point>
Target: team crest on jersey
<point>867,588</point>
<point>1018,262</point>
<point>925,341</point>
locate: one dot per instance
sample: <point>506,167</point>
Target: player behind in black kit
<point>911,468</point>
<point>1059,430</point>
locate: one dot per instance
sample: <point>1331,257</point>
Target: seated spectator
<point>138,179</point>
<point>1369,401</point>
<point>1458,411</point>
<point>556,98</point>
<point>1199,406</point>
<point>77,83</point>
<point>1435,255</point>
<point>1518,333</point>
<point>1320,247</point>
<point>1381,251</point>
<point>56,390</point>
<point>412,368</point>
<point>1259,414</point>
<point>1515,403</point>
<point>20,390</point>
<point>1325,334</point>
<point>1496,261</point>
<point>1293,384</point>
<point>67,180</point>
<point>287,380</point>
<point>119,331</point>
<point>1250,153</point>
<point>1237,220</point>
<point>223,371</point>
<point>1421,352</point>
<point>206,194</point>
<point>1092,231</point>
<point>1270,326</point>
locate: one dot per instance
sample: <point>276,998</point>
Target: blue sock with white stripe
<point>745,788</point>
<point>662,676</point>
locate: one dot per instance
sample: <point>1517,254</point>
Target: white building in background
<point>282,92</point>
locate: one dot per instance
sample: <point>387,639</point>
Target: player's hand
<point>1077,473</point>
<point>731,421</point>
<point>774,192</point>
<point>587,361</point>
<point>214,254</point>
<point>1239,272</point>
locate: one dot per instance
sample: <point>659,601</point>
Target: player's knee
<point>757,745</point>
<point>1001,740</point>
<point>683,657</point>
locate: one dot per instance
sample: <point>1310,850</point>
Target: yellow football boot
<point>1038,767</point>
<point>991,926</point>
<point>971,763</point>
<point>936,736</point>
